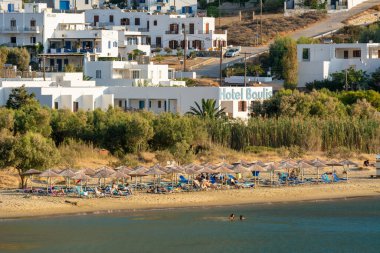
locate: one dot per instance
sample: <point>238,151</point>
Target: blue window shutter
<point>183,9</point>
<point>11,7</point>
<point>190,9</point>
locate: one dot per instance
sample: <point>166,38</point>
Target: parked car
<point>232,52</point>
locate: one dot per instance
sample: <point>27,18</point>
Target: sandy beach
<point>17,205</point>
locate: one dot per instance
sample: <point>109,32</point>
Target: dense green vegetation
<point>16,56</point>
<point>363,34</point>
<point>349,79</point>
<point>31,135</point>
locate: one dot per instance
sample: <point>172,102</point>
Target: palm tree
<point>207,109</point>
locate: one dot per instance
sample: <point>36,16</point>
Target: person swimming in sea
<point>232,217</point>
<point>241,218</point>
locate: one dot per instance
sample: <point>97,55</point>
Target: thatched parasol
<point>49,174</point>
<point>67,174</point>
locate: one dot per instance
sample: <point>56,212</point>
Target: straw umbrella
<point>104,172</point>
<point>155,171</point>
<point>348,163</point>
<point>287,166</point>
<point>302,166</point>
<point>138,171</point>
<point>240,169</point>
<point>224,170</point>
<point>67,174</point>
<point>30,173</point>
<point>82,177</point>
<point>318,164</point>
<point>49,174</point>
<point>333,164</point>
<point>125,170</point>
<point>173,170</point>
<point>257,168</point>
<point>191,172</point>
<point>272,167</point>
<point>88,171</point>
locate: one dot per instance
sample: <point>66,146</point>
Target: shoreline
<point>47,207</point>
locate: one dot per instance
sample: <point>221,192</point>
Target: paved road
<point>332,22</point>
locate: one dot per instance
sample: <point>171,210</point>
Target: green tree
<point>6,118</point>
<point>67,125</point>
<point>19,57</point>
<point>32,118</point>
<point>290,65</point>
<point>20,97</point>
<point>207,109</point>
<point>28,151</point>
<point>283,59</point>
<point>3,56</point>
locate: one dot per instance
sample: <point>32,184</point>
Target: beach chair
<point>325,178</point>
<point>183,180</point>
<point>338,179</point>
<point>78,190</point>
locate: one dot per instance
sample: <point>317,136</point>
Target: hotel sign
<point>245,93</point>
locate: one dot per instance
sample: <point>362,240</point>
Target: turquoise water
<point>323,226</point>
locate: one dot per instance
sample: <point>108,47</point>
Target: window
<point>109,44</point>
<point>135,74</point>
<point>86,1</point>
<point>13,23</point>
<point>124,21</point>
<point>158,7</point>
<point>155,22</point>
<point>32,40</point>
<point>98,74</point>
<point>191,28</point>
<point>159,104</point>
<point>150,104</point>
<point>56,105</point>
<point>32,23</point>
<point>345,54</point>
<point>96,19</point>
<point>114,44</point>
<point>137,21</point>
<point>242,106</point>
<point>306,54</point>
<point>111,18</point>
<point>13,40</point>
<point>357,53</point>
<point>75,106</point>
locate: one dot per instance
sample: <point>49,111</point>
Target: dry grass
<point>243,33</point>
<point>366,17</point>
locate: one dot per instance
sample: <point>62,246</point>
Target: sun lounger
<point>183,180</point>
<point>338,179</point>
<point>325,178</point>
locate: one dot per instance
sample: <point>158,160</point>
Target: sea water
<point>351,225</point>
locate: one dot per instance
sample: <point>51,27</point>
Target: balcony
<point>172,32</point>
<point>73,50</point>
<point>17,29</point>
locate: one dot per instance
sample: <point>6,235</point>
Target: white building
<point>69,91</point>
<point>161,6</point>
<point>161,31</point>
<point>318,61</point>
<point>331,4</point>
<point>70,42</point>
<point>33,25</point>
<point>130,73</point>
<point>61,91</point>
<point>70,5</point>
<point>10,5</point>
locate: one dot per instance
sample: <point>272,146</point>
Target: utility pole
<point>220,63</point>
<point>346,80</point>
<point>219,13</point>
<point>261,21</point>
<point>184,49</point>
<point>43,67</point>
<point>245,69</point>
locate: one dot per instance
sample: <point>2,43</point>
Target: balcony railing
<point>17,29</point>
<point>73,50</point>
<point>172,32</point>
